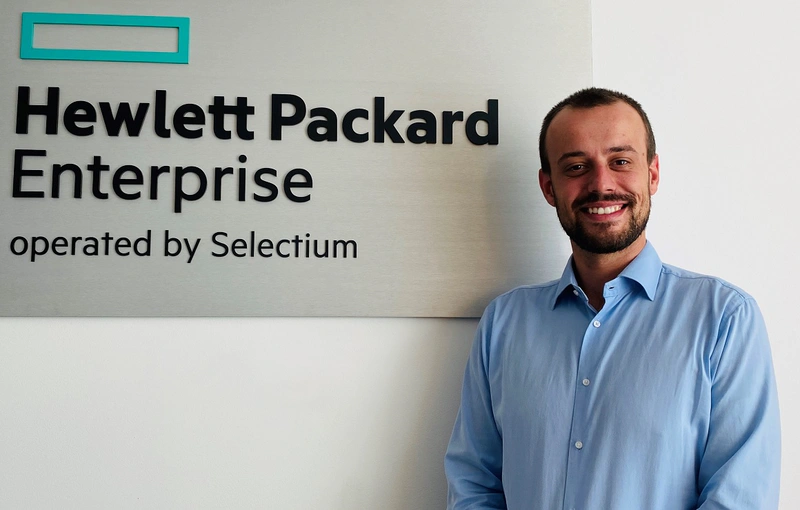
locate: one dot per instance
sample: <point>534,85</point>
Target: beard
<point>601,238</point>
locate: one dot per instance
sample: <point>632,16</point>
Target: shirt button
<point>576,292</point>
<point>586,382</point>
<point>578,445</point>
<point>596,324</point>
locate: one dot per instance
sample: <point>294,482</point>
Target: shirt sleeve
<point>740,467</point>
<point>474,458</point>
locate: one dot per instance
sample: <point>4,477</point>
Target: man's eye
<point>621,162</point>
<point>575,168</point>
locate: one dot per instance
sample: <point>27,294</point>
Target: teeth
<point>604,210</point>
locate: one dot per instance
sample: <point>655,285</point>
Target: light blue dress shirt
<point>663,399</point>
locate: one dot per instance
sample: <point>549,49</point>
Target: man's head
<point>589,98</point>
<point>599,169</point>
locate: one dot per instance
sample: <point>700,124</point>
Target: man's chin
<point>603,240</point>
<point>603,237</point>
<point>602,249</point>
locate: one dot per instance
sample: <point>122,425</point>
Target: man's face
<point>600,181</point>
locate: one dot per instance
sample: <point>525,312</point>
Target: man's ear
<point>546,184</point>
<point>654,170</point>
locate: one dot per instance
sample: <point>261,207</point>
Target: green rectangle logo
<point>31,19</point>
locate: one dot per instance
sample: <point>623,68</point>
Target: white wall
<point>355,413</point>
<point>330,414</point>
<point>720,82</point>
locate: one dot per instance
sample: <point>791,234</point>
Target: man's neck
<point>594,270</point>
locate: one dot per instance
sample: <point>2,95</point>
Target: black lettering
<point>383,124</point>
<point>278,249</point>
<point>169,242</point>
<point>328,123</point>
<point>20,172</point>
<point>277,120</point>
<point>107,237</point>
<point>180,171</point>
<point>241,110</point>
<point>143,252</point>
<point>490,118</point>
<point>319,255</point>
<point>25,109</point>
<point>258,178</point>
<point>59,242</point>
<point>347,125</point>
<point>242,184</point>
<point>39,246</point>
<point>75,240</point>
<point>14,243</point>
<point>160,120</point>
<point>90,247</point>
<point>96,167</point>
<point>218,111</point>
<point>265,245</point>
<point>133,124</point>
<point>345,244</point>
<point>189,115</point>
<point>239,244</point>
<point>79,111</point>
<point>448,119</point>
<point>296,241</point>
<point>191,249</point>
<point>289,184</point>
<point>219,172</point>
<point>120,180</point>
<point>122,242</point>
<point>428,126</point>
<point>77,180</point>
<point>155,173</point>
<point>221,245</point>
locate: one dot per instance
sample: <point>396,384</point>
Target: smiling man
<point>628,384</point>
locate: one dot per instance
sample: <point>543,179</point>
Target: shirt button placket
<point>586,364</point>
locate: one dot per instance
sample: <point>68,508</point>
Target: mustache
<point>603,197</point>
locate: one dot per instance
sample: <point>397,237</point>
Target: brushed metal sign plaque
<point>302,159</point>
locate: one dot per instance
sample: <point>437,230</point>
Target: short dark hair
<point>590,98</point>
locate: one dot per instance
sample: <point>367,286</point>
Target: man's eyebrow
<point>622,148</point>
<point>573,154</point>
<point>610,150</point>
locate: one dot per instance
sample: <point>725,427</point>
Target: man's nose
<point>601,179</point>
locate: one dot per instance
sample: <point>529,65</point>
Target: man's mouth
<point>604,210</point>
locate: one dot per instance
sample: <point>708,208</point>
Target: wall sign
<point>306,159</point>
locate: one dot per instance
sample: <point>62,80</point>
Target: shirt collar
<point>645,270</point>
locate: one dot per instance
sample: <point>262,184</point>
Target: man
<point>628,384</point>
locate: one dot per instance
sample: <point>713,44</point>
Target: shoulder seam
<point>536,286</point>
<point>696,276</point>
